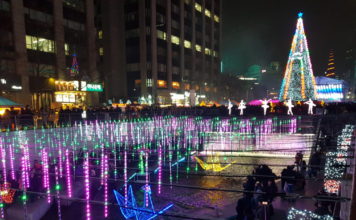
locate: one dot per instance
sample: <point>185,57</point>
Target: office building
<point>37,41</point>
<point>165,49</point>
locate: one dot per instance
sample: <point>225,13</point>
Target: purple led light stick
<point>87,187</point>
<point>68,175</point>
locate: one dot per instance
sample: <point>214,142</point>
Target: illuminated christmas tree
<point>298,83</point>
<point>330,71</point>
<point>74,69</point>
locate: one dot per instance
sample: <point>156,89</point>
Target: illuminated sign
<point>247,78</point>
<point>16,87</point>
<point>91,87</point>
<point>74,86</point>
<point>330,92</point>
<point>69,97</point>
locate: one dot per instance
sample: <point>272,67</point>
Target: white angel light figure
<point>265,105</point>
<point>229,106</point>
<point>290,105</point>
<point>310,104</point>
<point>242,106</point>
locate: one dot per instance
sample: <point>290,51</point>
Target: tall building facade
<point>37,41</point>
<point>163,49</point>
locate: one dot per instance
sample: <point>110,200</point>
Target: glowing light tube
<point>68,175</point>
<point>87,187</point>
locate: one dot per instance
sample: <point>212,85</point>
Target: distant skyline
<point>258,32</point>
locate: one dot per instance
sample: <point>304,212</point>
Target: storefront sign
<point>91,87</point>
<point>15,87</point>
<point>70,97</point>
<point>74,86</point>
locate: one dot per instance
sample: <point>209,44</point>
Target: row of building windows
<point>187,44</point>
<point>160,83</point>
<point>73,25</point>
<point>207,12</point>
<point>132,16</point>
<point>43,45</point>
<point>38,69</point>
<point>47,18</point>
<point>39,16</point>
<point>135,67</point>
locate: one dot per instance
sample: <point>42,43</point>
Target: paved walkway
<point>282,206</point>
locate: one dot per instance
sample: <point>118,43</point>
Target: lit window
<point>161,35</point>
<point>207,51</point>
<point>100,34</point>
<point>175,85</point>
<point>214,53</point>
<point>198,47</point>
<point>40,44</point>
<point>162,83</point>
<point>216,18</point>
<point>149,82</point>
<point>66,49</point>
<point>187,44</point>
<point>207,13</point>
<point>28,42</point>
<point>198,7</point>
<point>101,51</point>
<point>175,39</point>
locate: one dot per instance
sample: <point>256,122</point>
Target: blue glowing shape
<point>175,164</point>
<point>130,210</point>
<point>300,14</point>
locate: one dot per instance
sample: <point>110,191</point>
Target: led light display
<point>298,83</point>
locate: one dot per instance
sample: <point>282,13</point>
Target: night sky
<point>261,31</point>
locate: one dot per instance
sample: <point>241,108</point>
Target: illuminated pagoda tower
<point>298,83</point>
<point>330,71</point>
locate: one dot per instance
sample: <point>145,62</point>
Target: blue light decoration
<point>300,14</point>
<point>294,214</point>
<point>131,210</point>
<point>175,164</point>
<point>329,89</point>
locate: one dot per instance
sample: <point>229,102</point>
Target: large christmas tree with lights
<point>299,82</point>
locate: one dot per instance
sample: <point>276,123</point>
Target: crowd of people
<point>28,117</point>
<point>260,188</point>
<point>14,116</point>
